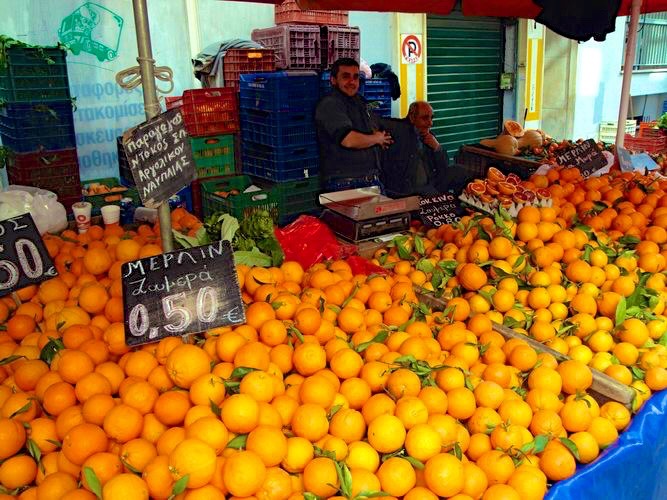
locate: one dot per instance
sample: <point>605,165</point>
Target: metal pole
<point>628,65</point>
<point>151,104</point>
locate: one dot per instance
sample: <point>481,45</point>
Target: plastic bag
<point>308,241</point>
<point>47,212</point>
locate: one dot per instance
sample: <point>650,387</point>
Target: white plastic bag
<point>47,212</point>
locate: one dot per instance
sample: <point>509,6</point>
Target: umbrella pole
<point>151,104</point>
<point>628,65</point>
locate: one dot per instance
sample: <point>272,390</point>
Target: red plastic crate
<point>339,41</point>
<point>289,12</point>
<point>653,145</point>
<point>211,111</point>
<point>296,46</point>
<point>238,61</point>
<point>30,168</point>
<point>649,129</point>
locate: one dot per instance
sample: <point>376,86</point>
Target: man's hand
<point>429,139</point>
<point>383,138</point>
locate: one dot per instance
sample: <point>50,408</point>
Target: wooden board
<point>604,388</point>
<point>160,157</point>
<point>24,259</point>
<point>181,292</point>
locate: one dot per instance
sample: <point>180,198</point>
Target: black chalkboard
<point>181,292</point>
<point>439,209</point>
<point>586,156</point>
<point>160,157</point>
<point>24,259</point>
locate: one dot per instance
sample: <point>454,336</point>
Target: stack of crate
<point>212,120</point>
<point>278,141</point>
<point>37,122</point>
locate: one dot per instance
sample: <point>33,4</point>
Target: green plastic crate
<point>294,197</point>
<point>33,74</point>
<point>112,198</point>
<point>239,205</point>
<point>214,156</point>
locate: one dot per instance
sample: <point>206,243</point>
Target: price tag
<point>24,259</point>
<point>181,292</point>
<point>439,209</point>
<point>160,157</point>
<point>586,156</point>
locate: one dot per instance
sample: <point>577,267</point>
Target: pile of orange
<point>337,385</point>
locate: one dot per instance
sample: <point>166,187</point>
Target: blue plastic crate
<point>277,129</point>
<point>32,120</point>
<point>377,88</point>
<point>280,154</point>
<point>664,107</point>
<point>280,91</point>
<point>325,84</point>
<point>288,170</point>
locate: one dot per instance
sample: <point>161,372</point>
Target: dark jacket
<point>335,116</point>
<point>405,157</point>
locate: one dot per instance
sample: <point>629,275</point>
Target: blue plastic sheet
<point>633,468</point>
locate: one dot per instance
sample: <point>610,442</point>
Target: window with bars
<point>651,42</point>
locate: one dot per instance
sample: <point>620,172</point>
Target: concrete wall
<point>559,85</point>
<point>179,29</point>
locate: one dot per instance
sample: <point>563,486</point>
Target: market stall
<point>505,339</point>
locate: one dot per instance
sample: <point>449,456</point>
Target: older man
<point>416,162</point>
<point>348,133</point>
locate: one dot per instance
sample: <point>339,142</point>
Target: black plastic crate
<point>289,170</point>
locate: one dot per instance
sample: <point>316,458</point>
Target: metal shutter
<point>464,61</point>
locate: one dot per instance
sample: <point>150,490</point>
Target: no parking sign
<point>411,49</point>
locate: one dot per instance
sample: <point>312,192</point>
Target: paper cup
<point>110,214</point>
<point>82,211</point>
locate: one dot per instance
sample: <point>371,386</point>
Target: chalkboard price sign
<point>586,156</point>
<point>439,209</point>
<point>181,292</point>
<point>24,259</point>
<point>160,157</point>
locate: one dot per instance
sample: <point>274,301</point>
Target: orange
<point>397,477</point>
<point>240,413</point>
<point>194,458</point>
<point>123,423</point>
<point>557,462</point>
<point>186,363</point>
<point>97,261</point>
<point>268,443</point>
<point>127,486</point>
<point>444,475</point>
<point>386,433</point>
<point>17,471</point>
<point>82,441</point>
<point>320,477</point>
<point>93,298</point>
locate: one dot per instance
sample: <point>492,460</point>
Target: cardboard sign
<point>181,292</point>
<point>640,162</point>
<point>160,157</point>
<point>439,209</point>
<point>24,259</point>
<point>586,156</point>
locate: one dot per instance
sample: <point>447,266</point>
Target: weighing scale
<point>365,213</point>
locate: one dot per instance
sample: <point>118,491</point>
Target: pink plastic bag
<point>308,241</point>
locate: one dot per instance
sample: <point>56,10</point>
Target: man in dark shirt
<point>416,163</point>
<point>348,133</point>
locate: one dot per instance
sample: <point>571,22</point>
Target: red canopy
<point>494,8</point>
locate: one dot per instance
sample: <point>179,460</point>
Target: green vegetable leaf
<point>380,337</point>
<point>228,227</point>
<point>93,481</point>
<point>620,311</point>
<point>414,462</point>
<point>50,349</point>
<point>425,265</point>
<point>254,258</point>
<point>34,450</point>
<point>238,442</point>
<point>184,240</point>
<point>570,445</point>
<point>180,485</point>
<point>10,359</point>
<point>419,245</point>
